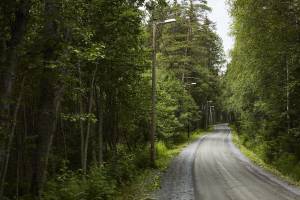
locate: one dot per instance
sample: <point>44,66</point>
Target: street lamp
<point>153,113</point>
<point>189,89</point>
<point>207,115</point>
<point>211,109</point>
<point>168,21</point>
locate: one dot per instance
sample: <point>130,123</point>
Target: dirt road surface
<point>212,168</point>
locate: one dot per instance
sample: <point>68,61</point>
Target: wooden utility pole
<point>288,96</point>
<point>153,111</point>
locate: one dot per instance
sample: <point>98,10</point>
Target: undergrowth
<point>150,179</point>
<point>285,166</point>
<point>128,177</point>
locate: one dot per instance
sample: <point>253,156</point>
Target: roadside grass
<point>149,180</point>
<point>166,152</point>
<point>258,160</point>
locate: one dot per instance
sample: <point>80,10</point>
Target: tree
<point>262,76</point>
<point>193,51</point>
<point>75,91</point>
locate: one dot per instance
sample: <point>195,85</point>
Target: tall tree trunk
<point>8,64</point>
<point>63,132</point>
<point>186,51</point>
<point>46,128</point>
<point>100,111</point>
<point>49,99</point>
<point>10,140</point>
<point>87,137</point>
<point>81,110</point>
<point>288,118</point>
<point>18,29</point>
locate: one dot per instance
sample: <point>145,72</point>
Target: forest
<point>262,83</point>
<point>93,92</point>
<point>75,88</point>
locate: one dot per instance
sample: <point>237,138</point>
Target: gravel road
<point>212,168</point>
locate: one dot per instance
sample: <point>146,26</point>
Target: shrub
<point>67,186</point>
<point>97,185</point>
<point>142,160</point>
<point>100,185</point>
<point>161,149</point>
<point>122,167</point>
<point>286,163</point>
<point>296,172</point>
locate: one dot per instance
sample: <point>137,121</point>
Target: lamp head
<point>169,21</point>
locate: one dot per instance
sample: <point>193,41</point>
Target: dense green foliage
<point>75,91</point>
<point>262,82</point>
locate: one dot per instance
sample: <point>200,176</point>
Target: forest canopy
<point>75,88</point>
<point>262,82</point>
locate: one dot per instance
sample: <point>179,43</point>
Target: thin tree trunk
<point>8,65</point>
<point>99,102</point>
<point>89,122</point>
<point>49,99</point>
<point>19,152</point>
<point>47,128</point>
<point>288,118</point>
<point>62,129</point>
<point>10,139</point>
<point>82,139</point>
<point>18,29</point>
<point>186,51</point>
<point>94,143</point>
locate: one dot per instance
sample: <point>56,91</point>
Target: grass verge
<point>149,180</point>
<point>259,161</point>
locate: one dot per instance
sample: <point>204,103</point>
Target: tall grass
<point>286,166</point>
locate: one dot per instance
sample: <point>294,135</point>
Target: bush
<point>67,186</point>
<point>286,163</point>
<point>142,160</point>
<point>100,185</point>
<point>296,172</point>
<point>122,168</point>
<point>161,149</point>
<point>74,186</point>
<point>180,138</point>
